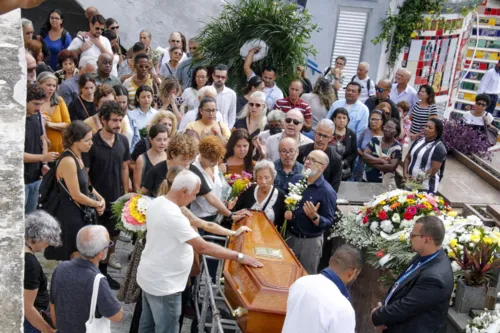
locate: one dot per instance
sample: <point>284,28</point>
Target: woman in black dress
<point>73,189</point>
<point>344,141</point>
<point>83,106</point>
<point>41,229</point>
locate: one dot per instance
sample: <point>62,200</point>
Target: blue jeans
<point>28,328</point>
<point>31,196</point>
<point>491,107</point>
<point>160,314</point>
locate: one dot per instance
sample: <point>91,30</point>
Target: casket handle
<point>239,312</point>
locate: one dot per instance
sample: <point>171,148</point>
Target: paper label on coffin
<point>261,294</point>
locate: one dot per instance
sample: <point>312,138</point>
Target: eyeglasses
<point>389,128</point>
<point>110,245</point>
<point>294,121</point>
<point>481,104</point>
<point>98,29</point>
<point>220,77</point>
<point>257,105</point>
<point>312,160</point>
<point>340,63</point>
<point>115,28</point>
<point>322,136</point>
<point>31,70</point>
<point>210,110</point>
<point>373,120</point>
<point>287,152</point>
<point>30,33</point>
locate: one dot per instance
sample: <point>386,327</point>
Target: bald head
<point>320,156</point>
<point>288,143</point>
<point>175,40</point>
<point>206,91</point>
<point>403,76</point>
<point>31,67</point>
<point>104,64</point>
<point>386,85</point>
<point>91,12</point>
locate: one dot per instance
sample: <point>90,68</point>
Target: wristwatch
<point>315,218</point>
<point>240,257</point>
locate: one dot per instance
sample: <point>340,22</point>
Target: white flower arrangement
<point>487,322</point>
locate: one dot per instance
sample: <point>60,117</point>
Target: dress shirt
<point>141,119</point>
<point>409,95</point>
<point>358,115</point>
<point>490,83</point>
<point>282,178</point>
<point>273,142</point>
<point>110,80</point>
<point>318,192</point>
<point>69,89</point>
<point>315,304</point>
<point>226,104</point>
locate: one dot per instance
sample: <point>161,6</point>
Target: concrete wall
<point>158,16</point>
<point>325,14</point>
<point>12,118</point>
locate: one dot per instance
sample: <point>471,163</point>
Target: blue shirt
<point>56,46</point>
<point>69,89</point>
<point>319,191</point>
<point>358,115</point>
<point>282,178</point>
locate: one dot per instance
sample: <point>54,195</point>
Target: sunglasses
<point>220,77</point>
<point>98,29</point>
<point>257,105</point>
<point>295,121</point>
<point>380,90</point>
<point>481,104</point>
<point>115,28</point>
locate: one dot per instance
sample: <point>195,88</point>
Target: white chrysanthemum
<point>455,267</point>
<point>386,226</point>
<point>407,223</point>
<point>396,218</point>
<point>464,238</point>
<point>374,227</point>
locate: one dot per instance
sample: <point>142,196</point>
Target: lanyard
<point>408,272</point>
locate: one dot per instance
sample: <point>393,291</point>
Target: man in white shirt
<point>367,85</point>
<point>321,303</point>
<point>168,256</point>
<point>401,91</point>
<point>226,97</point>
<point>490,85</point>
<point>174,40</point>
<point>294,121</point>
<point>92,44</point>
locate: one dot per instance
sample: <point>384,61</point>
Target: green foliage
<point>285,29</point>
<point>397,28</point>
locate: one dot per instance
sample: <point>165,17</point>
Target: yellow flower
<point>451,254</point>
<point>414,34</point>
<point>475,238</point>
<point>402,238</point>
<point>488,240</point>
<point>453,242</point>
<point>410,201</point>
<point>393,199</point>
<point>452,214</point>
<point>420,196</point>
<point>290,201</point>
<point>383,203</point>
<point>427,205</point>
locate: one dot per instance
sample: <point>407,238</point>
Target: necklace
<point>29,247</point>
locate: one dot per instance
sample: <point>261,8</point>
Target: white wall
<point>158,16</point>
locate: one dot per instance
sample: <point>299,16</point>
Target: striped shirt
<point>421,115</point>
<point>286,105</point>
<point>422,154</point>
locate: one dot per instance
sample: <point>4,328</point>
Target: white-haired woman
<point>41,230</point>
<point>253,116</point>
<point>264,196</point>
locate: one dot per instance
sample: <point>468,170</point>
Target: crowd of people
<point>103,120</point>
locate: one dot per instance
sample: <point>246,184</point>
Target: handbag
<point>97,325</point>
<point>492,135</point>
<point>89,213</point>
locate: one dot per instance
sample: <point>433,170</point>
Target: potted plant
<point>474,250</point>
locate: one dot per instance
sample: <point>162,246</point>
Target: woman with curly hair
<point>168,96</point>
<point>67,62</point>
<point>239,153</point>
<point>320,100</point>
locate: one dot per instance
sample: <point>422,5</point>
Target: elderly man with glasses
<point>175,40</point>
<point>382,91</point>
<point>287,166</point>
<point>72,284</point>
<point>314,215</point>
<point>293,125</point>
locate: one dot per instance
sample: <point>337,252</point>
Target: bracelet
<point>233,233</point>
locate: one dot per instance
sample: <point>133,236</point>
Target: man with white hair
<point>168,256</point>
<point>367,85</point>
<point>72,284</point>
<point>294,121</point>
<point>30,68</point>
<point>69,89</point>
<point>206,91</point>
<point>174,40</point>
<point>276,121</point>
<point>314,215</point>
<point>401,90</point>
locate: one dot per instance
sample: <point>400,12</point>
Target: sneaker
<point>113,262</point>
<point>124,237</point>
<point>113,284</point>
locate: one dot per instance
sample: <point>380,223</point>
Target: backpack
<point>367,84</point>
<point>48,197</point>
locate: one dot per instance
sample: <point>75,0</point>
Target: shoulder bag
<point>95,325</point>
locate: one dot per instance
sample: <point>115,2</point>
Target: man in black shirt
<point>36,153</point>
<point>382,90</point>
<point>322,135</point>
<point>107,165</point>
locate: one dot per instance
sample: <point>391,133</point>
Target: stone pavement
<point>122,252</point>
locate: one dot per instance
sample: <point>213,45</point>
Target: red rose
<point>380,254</point>
<point>365,219</point>
<point>382,215</point>
<point>407,216</point>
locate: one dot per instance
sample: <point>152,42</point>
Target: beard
<point>218,84</point>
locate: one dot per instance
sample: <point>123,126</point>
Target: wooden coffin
<point>258,296</point>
